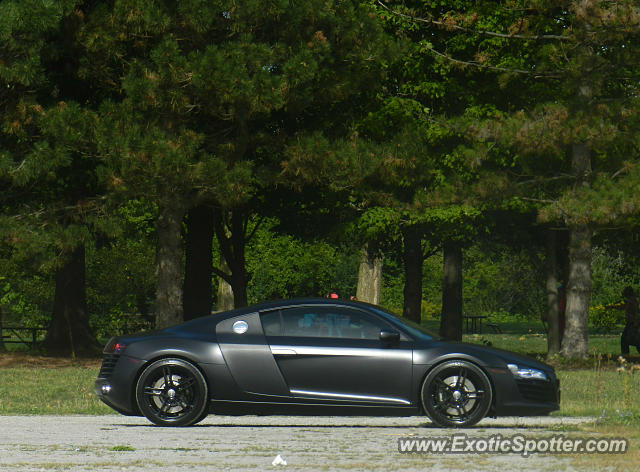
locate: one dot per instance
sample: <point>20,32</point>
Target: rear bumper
<point>116,386</point>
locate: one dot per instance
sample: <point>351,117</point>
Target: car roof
<point>272,304</point>
<point>269,305</point>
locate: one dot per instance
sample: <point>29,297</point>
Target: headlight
<point>526,372</point>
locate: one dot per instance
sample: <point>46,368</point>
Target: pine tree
<point>577,64</point>
<point>203,98</point>
<point>46,161</point>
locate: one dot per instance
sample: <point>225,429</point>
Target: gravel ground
<point>118,443</point>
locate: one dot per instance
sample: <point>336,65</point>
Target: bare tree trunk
<point>562,241</point>
<point>369,276</point>
<point>553,313</point>
<point>168,306</point>
<point>198,288</point>
<point>413,261</point>
<point>574,341</point>
<point>69,333</point>
<point>225,292</point>
<point>451,319</point>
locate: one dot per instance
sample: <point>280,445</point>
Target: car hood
<point>488,352</point>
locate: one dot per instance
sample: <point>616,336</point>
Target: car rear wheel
<point>172,392</point>
<point>456,393</point>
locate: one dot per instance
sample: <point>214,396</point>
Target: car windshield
<point>413,328</point>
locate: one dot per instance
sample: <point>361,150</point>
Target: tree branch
<point>538,200</point>
<point>553,75</point>
<point>221,274</point>
<point>442,24</point>
<point>220,226</point>
<point>547,179</point>
<point>255,229</point>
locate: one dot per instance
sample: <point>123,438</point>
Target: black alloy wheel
<point>456,393</point>
<point>172,392</point>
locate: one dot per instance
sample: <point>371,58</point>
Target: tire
<point>456,394</point>
<point>172,392</point>
<point>204,414</point>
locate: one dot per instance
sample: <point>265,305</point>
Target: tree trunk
<point>369,277</point>
<point>2,348</point>
<point>553,312</point>
<point>562,242</point>
<point>69,333</point>
<point>239,285</point>
<point>225,292</point>
<point>168,306</point>
<point>451,319</point>
<point>412,274</point>
<point>198,288</point>
<point>574,341</point>
<point>232,239</point>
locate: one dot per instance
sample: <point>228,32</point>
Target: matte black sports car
<point>319,357</point>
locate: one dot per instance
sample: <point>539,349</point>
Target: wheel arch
<point>168,354</point>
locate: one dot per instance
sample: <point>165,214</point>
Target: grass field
<point>41,391</point>
<point>598,386</point>
<point>69,390</point>
<point>528,337</point>
<point>32,385</point>
<point>601,387</point>
<point>28,387</point>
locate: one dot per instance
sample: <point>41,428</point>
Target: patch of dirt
<point>18,359</point>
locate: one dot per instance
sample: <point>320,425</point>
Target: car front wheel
<point>456,393</point>
<point>172,392</point>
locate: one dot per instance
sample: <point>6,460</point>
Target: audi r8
<point>317,357</point>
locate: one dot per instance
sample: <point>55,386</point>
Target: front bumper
<point>518,397</point>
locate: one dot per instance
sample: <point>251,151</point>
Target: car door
<point>335,353</point>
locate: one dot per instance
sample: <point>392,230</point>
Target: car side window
<point>272,323</point>
<point>322,322</point>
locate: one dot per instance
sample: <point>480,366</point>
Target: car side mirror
<point>389,336</point>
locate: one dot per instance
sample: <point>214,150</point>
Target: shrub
<point>430,310</point>
<point>605,318</point>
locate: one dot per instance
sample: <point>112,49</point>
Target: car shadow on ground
<point>344,426</point>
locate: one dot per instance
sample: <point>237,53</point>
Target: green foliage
<point>606,318</point>
<point>245,76</point>
<point>430,311</point>
<point>110,110</point>
<point>24,25</point>
<point>610,275</point>
<point>285,267</point>
<point>120,286</point>
<point>24,303</point>
<point>503,280</point>
<point>26,292</point>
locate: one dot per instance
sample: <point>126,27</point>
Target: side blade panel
<point>249,357</point>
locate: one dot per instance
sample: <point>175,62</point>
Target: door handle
<point>279,351</point>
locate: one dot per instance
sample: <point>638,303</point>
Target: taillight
<point>114,346</point>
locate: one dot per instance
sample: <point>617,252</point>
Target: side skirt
<point>238,408</point>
